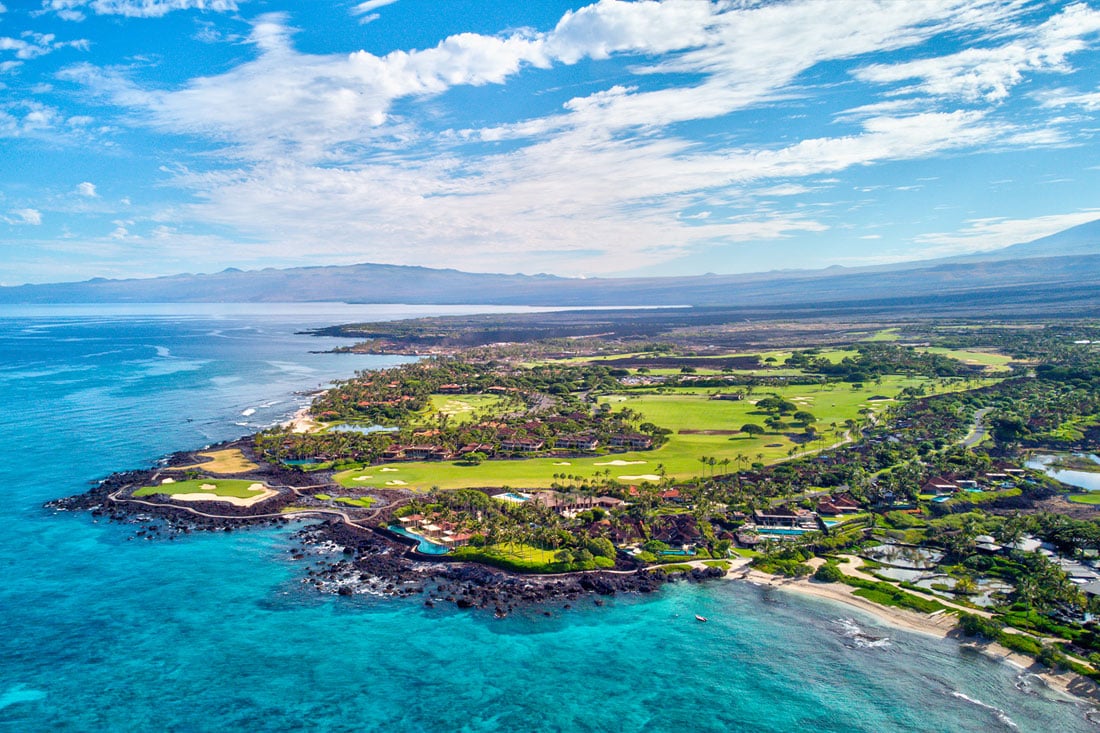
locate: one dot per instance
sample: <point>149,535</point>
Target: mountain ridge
<point>1068,259</point>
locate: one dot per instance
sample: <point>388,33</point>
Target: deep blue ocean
<point>214,632</point>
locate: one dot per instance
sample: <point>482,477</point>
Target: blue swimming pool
<point>422,544</point>
<point>684,553</point>
<point>782,531</point>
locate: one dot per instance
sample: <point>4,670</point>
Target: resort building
<point>632,441</point>
<point>577,442</point>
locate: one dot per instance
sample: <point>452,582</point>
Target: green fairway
<point>710,428</point>
<point>460,408</point>
<point>886,334</point>
<point>991,360</point>
<point>235,488</point>
<point>1091,498</point>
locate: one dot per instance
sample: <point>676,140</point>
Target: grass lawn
<point>511,555</point>
<point>230,460</point>
<point>236,488</point>
<point>689,409</point>
<point>366,502</point>
<point>887,334</point>
<point>991,360</point>
<point>460,408</point>
<point>1090,498</point>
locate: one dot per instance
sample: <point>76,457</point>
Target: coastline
<point>301,422</point>
<point>940,625</point>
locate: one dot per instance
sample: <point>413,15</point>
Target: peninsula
<point>889,465</point>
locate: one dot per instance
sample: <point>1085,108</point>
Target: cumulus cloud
<point>328,151</point>
<point>87,189</point>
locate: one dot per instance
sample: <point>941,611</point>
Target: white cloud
<point>74,9</point>
<point>327,166</point>
<point>989,73</point>
<point>1062,97</point>
<point>364,10</point>
<point>25,216</point>
<point>86,189</point>
<point>982,235</point>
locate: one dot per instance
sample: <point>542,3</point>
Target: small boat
<point>700,618</point>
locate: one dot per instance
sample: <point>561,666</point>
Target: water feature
<point>364,429</point>
<point>905,556</point>
<point>1082,479</point>
<point>423,544</point>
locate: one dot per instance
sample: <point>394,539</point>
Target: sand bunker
<point>362,478</point>
<point>168,481</point>
<point>212,487</point>
<point>563,463</point>
<point>397,482</point>
<point>264,495</point>
<point>384,470</point>
<point>621,463</point>
<point>641,477</point>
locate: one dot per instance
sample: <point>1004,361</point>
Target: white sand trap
<point>563,463</point>
<point>397,482</point>
<point>211,487</point>
<point>235,501</point>
<point>362,478</point>
<point>168,481</point>
<point>621,463</point>
<point>386,470</point>
<point>642,477</point>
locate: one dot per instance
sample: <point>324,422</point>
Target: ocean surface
<point>103,631</point>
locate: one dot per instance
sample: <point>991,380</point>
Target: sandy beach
<point>301,422</point>
<point>940,624</point>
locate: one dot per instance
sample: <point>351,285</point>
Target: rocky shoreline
<point>351,559</point>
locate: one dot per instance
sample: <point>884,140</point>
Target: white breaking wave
<point>1001,715</point>
<point>852,631</point>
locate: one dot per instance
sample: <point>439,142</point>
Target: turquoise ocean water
<point>211,632</point>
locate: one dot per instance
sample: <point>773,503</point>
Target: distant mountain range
<point>1059,273</point>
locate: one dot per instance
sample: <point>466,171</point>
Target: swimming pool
<point>422,544</point>
<point>779,530</point>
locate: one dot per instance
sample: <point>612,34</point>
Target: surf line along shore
<point>941,625</point>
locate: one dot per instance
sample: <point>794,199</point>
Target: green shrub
<point>829,573</point>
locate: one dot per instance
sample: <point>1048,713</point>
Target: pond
<point>903,556</point>
<point>423,545</point>
<point>366,429</point>
<point>1082,479</point>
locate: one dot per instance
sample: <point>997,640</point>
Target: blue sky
<point>147,137</point>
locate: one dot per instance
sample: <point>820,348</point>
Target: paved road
<point>979,430</point>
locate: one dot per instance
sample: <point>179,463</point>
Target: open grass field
<point>460,408</point>
<point>991,360</point>
<point>712,427</point>
<point>236,488</point>
<point>886,334</point>
<point>1090,498</point>
<point>230,460</point>
<point>511,555</point>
